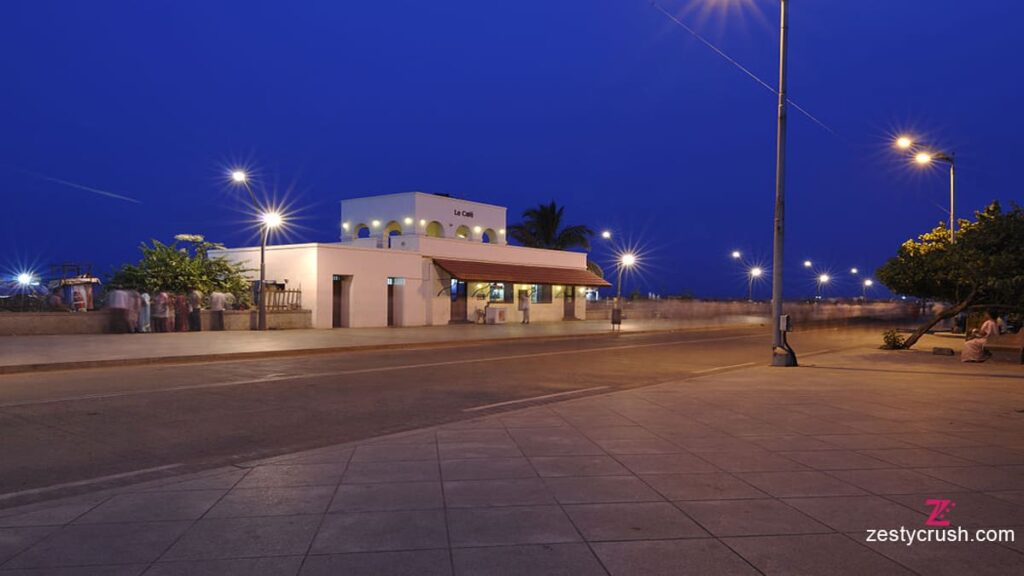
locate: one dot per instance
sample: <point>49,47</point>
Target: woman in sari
<point>974,349</point>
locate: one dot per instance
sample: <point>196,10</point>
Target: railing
<point>284,299</point>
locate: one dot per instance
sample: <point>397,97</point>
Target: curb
<point>298,352</point>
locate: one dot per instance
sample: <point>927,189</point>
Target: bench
<point>1012,345</point>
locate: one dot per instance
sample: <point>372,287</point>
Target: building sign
<point>465,213</point>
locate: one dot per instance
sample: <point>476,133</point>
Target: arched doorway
<point>392,229</point>
<point>489,237</point>
<point>362,231</point>
<point>462,232</point>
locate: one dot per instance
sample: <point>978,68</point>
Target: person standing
<point>117,301</point>
<point>134,304</point>
<point>144,313</point>
<point>159,312</point>
<point>218,301</point>
<point>180,313</point>
<point>195,310</point>
<point>524,305</point>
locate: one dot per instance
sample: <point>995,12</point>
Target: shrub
<point>892,340</point>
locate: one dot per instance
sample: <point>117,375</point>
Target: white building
<point>416,259</point>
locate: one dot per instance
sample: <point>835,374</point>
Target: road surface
<point>61,431</point>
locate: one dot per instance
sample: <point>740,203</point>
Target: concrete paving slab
<point>736,491</point>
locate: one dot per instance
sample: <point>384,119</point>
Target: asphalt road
<point>60,429</point>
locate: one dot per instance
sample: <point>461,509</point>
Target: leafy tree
<point>595,268</point>
<point>542,228</point>
<point>984,266</point>
<point>180,268</point>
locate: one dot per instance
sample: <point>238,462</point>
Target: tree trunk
<point>945,314</point>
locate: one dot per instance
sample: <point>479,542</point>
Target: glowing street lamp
<point>808,264</point>
<point>627,260</point>
<point>868,283</point>
<point>736,255</point>
<point>269,220</point>
<point>24,279</point>
<point>854,271</point>
<point>754,273</point>
<point>822,280</point>
<point>925,157</point>
<point>607,234</point>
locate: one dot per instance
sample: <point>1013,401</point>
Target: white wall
<point>414,211</point>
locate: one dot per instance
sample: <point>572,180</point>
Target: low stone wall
<point>98,321</point>
<point>722,312</point>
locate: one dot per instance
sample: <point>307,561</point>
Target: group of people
<point>135,312</point>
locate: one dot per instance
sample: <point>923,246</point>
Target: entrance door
<point>391,303</point>
<point>460,301</point>
<point>336,284</point>
<point>569,300</point>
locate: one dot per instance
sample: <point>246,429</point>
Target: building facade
<point>416,259</point>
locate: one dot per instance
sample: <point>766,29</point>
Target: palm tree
<point>542,228</point>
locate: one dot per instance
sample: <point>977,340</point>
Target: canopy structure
<point>475,271</point>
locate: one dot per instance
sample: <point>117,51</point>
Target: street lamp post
<point>924,157</point>
<point>864,288</point>
<point>625,261</point>
<point>782,354</point>
<point>822,280</point>
<point>268,220</point>
<point>754,273</point>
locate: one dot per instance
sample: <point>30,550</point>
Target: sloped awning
<point>475,271</point>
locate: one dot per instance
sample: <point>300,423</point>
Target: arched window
<point>435,229</point>
<point>362,231</point>
<point>393,229</point>
<point>462,232</point>
<point>489,236</point>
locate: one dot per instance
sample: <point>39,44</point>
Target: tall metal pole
<point>750,287</point>
<point>262,320</point>
<point>618,288</point>
<point>261,305</point>
<point>952,218</point>
<point>782,355</point>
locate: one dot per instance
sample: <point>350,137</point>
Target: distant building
<point>416,259</point>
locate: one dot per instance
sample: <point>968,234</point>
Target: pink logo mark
<point>939,510</point>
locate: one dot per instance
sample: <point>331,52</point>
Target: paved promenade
<point>752,471</point>
<point>27,353</point>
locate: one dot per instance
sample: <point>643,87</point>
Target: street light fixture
<point>854,271</point>
<point>864,288</point>
<point>627,260</point>
<point>736,255</point>
<point>755,272</point>
<point>822,280</point>
<point>808,264</point>
<point>269,220</point>
<point>924,157</point>
<point>607,234</point>
<point>24,279</point>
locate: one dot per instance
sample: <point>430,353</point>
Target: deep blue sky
<point>606,107</point>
